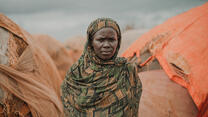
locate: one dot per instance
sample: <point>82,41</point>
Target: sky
<point>63,19</point>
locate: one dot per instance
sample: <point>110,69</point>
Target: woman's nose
<point>106,44</point>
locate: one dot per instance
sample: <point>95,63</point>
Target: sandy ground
<point>162,97</point>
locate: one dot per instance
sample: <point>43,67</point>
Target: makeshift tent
<point>75,43</point>
<point>59,54</point>
<point>75,46</point>
<point>28,75</point>
<point>163,98</point>
<point>128,37</point>
<point>181,46</point>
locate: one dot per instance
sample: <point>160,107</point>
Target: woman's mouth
<point>106,52</point>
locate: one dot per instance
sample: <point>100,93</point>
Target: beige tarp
<point>75,46</point>
<point>75,43</point>
<point>32,75</point>
<point>59,54</point>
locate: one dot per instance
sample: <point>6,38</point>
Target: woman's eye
<point>101,39</point>
<point>107,39</point>
<point>112,40</point>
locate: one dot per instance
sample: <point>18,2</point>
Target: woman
<point>101,84</point>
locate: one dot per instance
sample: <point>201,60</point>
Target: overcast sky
<point>63,19</point>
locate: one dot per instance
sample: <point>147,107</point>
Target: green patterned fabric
<point>97,88</point>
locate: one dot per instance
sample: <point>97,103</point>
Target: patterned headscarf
<point>97,88</point>
<point>97,25</point>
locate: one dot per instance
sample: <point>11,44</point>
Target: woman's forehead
<point>109,32</point>
<point>106,30</point>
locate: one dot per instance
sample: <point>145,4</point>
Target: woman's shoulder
<point>132,66</point>
<point>123,61</point>
<point>133,74</point>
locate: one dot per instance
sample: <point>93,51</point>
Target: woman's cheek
<point>114,44</point>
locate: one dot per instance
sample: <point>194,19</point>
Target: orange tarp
<point>183,45</point>
<point>34,77</point>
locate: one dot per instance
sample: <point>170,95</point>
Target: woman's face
<point>104,43</point>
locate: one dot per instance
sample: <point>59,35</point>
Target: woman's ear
<point>90,42</point>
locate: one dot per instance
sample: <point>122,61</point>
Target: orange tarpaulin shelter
<point>181,46</point>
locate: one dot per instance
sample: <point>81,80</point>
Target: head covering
<point>94,87</point>
<point>100,23</point>
<point>97,25</point>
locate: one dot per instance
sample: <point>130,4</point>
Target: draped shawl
<point>97,88</point>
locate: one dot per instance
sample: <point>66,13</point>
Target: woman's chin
<point>106,56</point>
